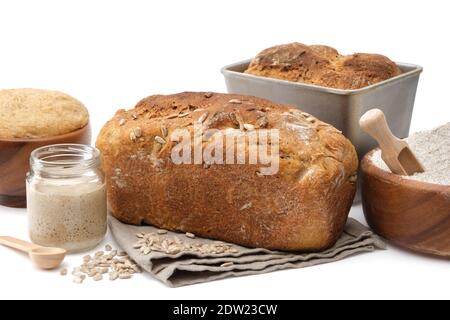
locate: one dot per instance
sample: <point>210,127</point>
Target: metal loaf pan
<point>340,108</point>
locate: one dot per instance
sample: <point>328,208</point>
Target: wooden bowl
<point>15,159</point>
<point>411,214</point>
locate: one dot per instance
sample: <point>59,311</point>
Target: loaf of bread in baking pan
<point>322,66</point>
<point>301,207</point>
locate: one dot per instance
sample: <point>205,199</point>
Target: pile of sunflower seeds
<point>112,263</point>
<point>161,242</point>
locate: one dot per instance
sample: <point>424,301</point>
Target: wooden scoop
<point>395,152</point>
<point>43,257</point>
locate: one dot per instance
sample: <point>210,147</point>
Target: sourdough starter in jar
<point>66,198</point>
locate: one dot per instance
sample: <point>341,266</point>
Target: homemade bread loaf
<point>303,207</point>
<point>33,113</point>
<point>322,66</point>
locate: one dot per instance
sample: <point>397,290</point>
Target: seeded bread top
<point>322,66</point>
<point>33,113</point>
<point>150,124</point>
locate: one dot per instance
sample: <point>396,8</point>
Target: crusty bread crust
<point>322,66</point>
<point>302,208</point>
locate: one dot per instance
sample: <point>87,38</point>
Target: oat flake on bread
<point>432,148</point>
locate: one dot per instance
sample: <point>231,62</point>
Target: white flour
<point>432,148</point>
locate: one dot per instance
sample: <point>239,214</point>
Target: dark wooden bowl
<point>411,214</point>
<point>15,158</point>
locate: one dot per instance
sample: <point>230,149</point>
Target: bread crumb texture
<point>322,66</point>
<point>34,113</point>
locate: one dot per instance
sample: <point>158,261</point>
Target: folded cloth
<point>186,268</point>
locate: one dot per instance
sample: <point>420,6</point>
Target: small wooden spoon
<point>395,152</point>
<point>44,257</point>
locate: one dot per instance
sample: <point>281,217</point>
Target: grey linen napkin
<point>188,268</point>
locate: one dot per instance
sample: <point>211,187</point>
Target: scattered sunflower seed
<point>104,270</point>
<point>235,101</point>
<point>134,116</point>
<point>172,116</point>
<point>122,122</point>
<point>263,122</point>
<point>227,264</point>
<point>164,131</point>
<point>208,95</point>
<point>153,242</point>
<point>133,136</point>
<point>137,132</point>
<point>124,276</point>
<point>160,140</point>
<point>190,235</point>
<point>98,277</point>
<point>260,114</point>
<point>203,117</point>
<point>183,115</point>
<point>113,276</point>
<point>115,264</point>
<point>63,272</point>
<point>161,231</point>
<point>249,127</point>
<point>92,273</point>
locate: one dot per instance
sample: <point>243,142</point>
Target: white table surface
<point>383,274</point>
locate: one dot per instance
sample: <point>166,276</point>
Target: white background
<point>110,54</point>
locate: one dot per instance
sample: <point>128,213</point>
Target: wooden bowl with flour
<point>408,211</point>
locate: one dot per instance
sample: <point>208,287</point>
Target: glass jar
<point>66,197</point>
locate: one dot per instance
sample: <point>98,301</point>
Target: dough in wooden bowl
<point>34,113</point>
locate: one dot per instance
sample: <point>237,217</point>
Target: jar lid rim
<point>62,155</point>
